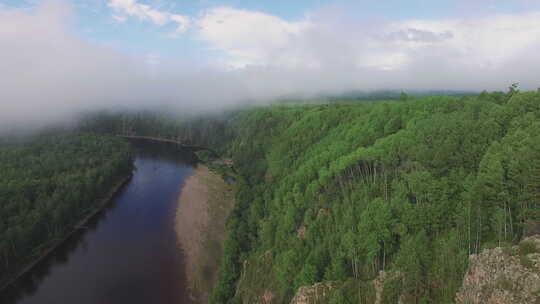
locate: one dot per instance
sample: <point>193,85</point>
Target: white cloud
<point>489,42</point>
<point>145,12</point>
<point>119,19</point>
<point>456,53</point>
<point>248,37</point>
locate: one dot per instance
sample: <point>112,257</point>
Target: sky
<point>61,57</point>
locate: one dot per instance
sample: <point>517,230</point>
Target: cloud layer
<point>481,53</point>
<point>49,74</point>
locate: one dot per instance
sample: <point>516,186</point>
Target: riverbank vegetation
<point>210,130</point>
<point>47,185</point>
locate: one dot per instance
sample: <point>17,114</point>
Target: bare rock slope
<point>504,275</point>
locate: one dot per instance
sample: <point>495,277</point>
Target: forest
<point>338,193</point>
<point>48,183</point>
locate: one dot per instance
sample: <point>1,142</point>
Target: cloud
<point>416,35</point>
<point>454,53</point>
<point>145,12</point>
<point>119,19</point>
<point>48,74</point>
<point>247,37</point>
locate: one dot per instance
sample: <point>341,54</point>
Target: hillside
<point>337,193</point>
<point>48,185</point>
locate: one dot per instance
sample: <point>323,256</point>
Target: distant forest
<point>392,95</point>
<point>48,184</point>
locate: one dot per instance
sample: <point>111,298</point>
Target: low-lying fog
<point>48,72</point>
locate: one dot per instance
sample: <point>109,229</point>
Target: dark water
<point>129,253</point>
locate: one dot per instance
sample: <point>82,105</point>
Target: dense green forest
<point>339,192</point>
<point>48,184</point>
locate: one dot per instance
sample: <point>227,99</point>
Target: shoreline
<point>50,249</point>
<point>204,204</point>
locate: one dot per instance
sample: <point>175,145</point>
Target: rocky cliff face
<point>319,293</point>
<point>313,294</point>
<point>504,275</point>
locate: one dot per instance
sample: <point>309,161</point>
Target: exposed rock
<point>267,297</point>
<point>504,275</point>
<point>301,232</point>
<point>319,292</point>
<point>314,294</point>
<point>323,212</point>
<point>257,283</point>
<point>378,283</point>
<point>532,228</point>
<point>268,177</point>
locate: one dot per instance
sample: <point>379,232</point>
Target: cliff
<point>504,275</point>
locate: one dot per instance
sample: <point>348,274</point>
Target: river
<point>129,252</point>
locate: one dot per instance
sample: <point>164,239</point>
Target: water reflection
<point>127,253</point>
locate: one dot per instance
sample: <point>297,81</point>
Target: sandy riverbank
<point>203,207</point>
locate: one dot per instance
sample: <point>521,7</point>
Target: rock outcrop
<point>504,275</point>
<point>320,292</point>
<point>380,280</point>
<point>314,294</point>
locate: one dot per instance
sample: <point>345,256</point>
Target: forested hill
<point>47,185</point>
<point>336,193</point>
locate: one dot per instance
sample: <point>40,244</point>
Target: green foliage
<point>527,247</point>
<point>350,291</point>
<point>392,290</point>
<point>414,185</point>
<point>49,184</point>
<point>204,156</point>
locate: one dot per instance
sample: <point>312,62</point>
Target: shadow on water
<point>28,284</point>
<point>128,252</point>
<point>163,151</point>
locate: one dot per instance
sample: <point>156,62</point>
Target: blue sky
<point>94,22</point>
<point>93,19</point>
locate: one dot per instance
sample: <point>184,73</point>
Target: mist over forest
<point>53,73</point>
